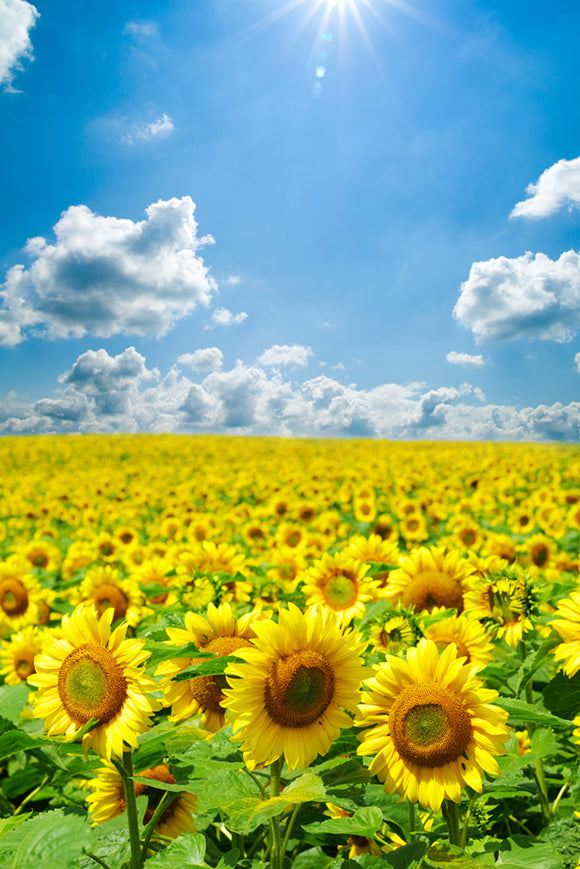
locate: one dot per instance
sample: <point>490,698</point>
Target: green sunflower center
<point>341,591</point>
<point>299,688</point>
<point>13,597</point>
<point>429,725</point>
<point>91,684</point>
<point>433,588</point>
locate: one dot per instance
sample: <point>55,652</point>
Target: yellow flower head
<point>339,583</point>
<point>93,672</point>
<point>289,694</point>
<point>470,637</point>
<point>505,603</point>
<point>17,655</point>
<point>433,729</point>
<point>430,578</point>
<point>103,587</point>
<point>20,596</point>
<point>219,634</point>
<point>567,623</point>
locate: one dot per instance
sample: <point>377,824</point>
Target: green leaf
<point>187,850</point>
<point>7,824</point>
<point>215,666</point>
<point>525,853</point>
<point>444,854</point>
<point>536,660</point>
<point>13,699</point>
<point>248,813</point>
<point>52,840</point>
<point>525,713</point>
<point>16,740</point>
<point>167,652</point>
<point>562,695</point>
<point>364,822</point>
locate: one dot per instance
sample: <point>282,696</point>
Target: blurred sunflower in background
<point>20,595</point>
<point>107,800</point>
<point>93,672</point>
<point>103,587</point>
<point>17,655</point>
<point>432,727</point>
<point>428,578</point>
<point>291,693</point>
<point>469,636</point>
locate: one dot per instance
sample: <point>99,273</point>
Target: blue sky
<point>307,218</point>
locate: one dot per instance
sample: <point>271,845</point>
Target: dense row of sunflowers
<point>252,652</point>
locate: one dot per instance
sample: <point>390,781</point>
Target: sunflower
<point>540,550</point>
<point>289,694</point>
<point>104,588</point>
<point>17,655</point>
<point>429,578</point>
<point>505,603</point>
<point>470,637</point>
<point>41,554</point>
<point>396,632</point>
<point>107,800</point>
<point>20,595</point>
<point>433,727</point>
<point>339,582</point>
<point>567,624</point>
<point>219,634</point>
<point>92,672</point>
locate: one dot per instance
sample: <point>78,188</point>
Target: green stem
<point>125,769</point>
<point>561,793</point>
<point>257,782</point>
<point>412,819</point>
<point>276,855</point>
<point>538,765</point>
<point>30,796</point>
<point>165,800</point>
<point>297,807</point>
<point>98,860</point>
<point>451,815</point>
<point>463,841</point>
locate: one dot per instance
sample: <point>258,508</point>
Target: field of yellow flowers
<point>266,653</point>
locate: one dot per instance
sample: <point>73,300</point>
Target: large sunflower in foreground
<point>91,672</point>
<point>107,800</point>
<point>567,623</point>
<point>289,694</point>
<point>219,634</point>
<point>433,729</point>
<point>430,578</point>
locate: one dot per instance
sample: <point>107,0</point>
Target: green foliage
<point>562,695</point>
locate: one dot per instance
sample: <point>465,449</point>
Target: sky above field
<point>342,218</point>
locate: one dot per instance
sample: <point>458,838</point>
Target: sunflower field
<point>288,654</point>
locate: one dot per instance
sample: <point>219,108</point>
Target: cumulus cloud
<point>223,317</point>
<point>530,295</point>
<point>293,355</point>
<point>120,393</point>
<point>105,275</point>
<point>146,132</point>
<point>204,359</point>
<point>557,187</point>
<point>17,18</point>
<point>455,358</point>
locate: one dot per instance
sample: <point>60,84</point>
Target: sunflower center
<point>25,666</point>
<point>91,684</point>
<point>433,588</point>
<point>341,591</point>
<point>429,725</point>
<point>208,690</point>
<point>13,597</point>
<point>108,595</point>
<point>299,688</point>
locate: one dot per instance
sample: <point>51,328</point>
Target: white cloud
<point>205,359</point>
<point>105,275</point>
<point>141,29</point>
<point>115,393</point>
<point>158,129</point>
<point>233,280</point>
<point>556,187</point>
<point>294,355</point>
<point>223,317</point>
<point>455,358</point>
<point>530,295</point>
<point>17,18</point>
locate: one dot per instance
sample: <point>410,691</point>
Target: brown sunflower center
<point>299,688</point>
<point>13,597</point>
<point>108,595</point>
<point>208,690</point>
<point>341,591</point>
<point>429,725</point>
<point>432,588</point>
<point>91,684</point>
<point>154,795</point>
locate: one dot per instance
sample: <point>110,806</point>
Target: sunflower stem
<point>538,765</point>
<point>451,815</point>
<point>126,771</point>
<point>289,827</point>
<point>276,855</point>
<point>97,860</point>
<point>165,800</point>
<point>412,819</point>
